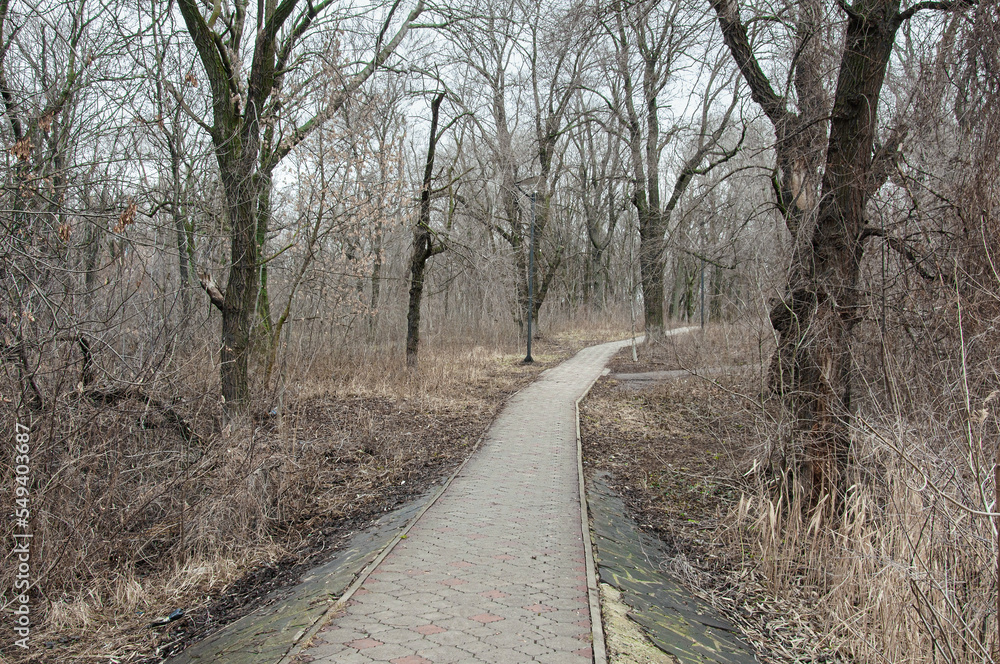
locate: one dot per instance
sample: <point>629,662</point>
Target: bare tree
<point>424,244</point>
<point>244,100</point>
<point>558,57</point>
<point>652,38</point>
<point>599,178</point>
<point>814,319</point>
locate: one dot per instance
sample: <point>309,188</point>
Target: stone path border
<point>593,583</point>
<point>674,619</point>
<point>593,589</point>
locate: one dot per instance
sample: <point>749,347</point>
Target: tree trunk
<point>812,364</point>
<point>260,238</point>
<point>542,289</point>
<point>717,291</point>
<point>241,287</point>
<point>423,243</point>
<point>180,226</point>
<point>376,286</point>
<point>651,272</point>
<point>799,149</point>
<point>825,302</point>
<point>239,115</point>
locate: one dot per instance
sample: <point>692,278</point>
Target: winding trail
<point>495,570</point>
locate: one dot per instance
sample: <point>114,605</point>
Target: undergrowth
<point>142,504</point>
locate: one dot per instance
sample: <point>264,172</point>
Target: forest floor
<point>675,451</point>
<point>369,447</point>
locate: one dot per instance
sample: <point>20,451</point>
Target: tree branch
<point>904,250</point>
<point>216,68</point>
<point>885,159</point>
<point>339,99</point>
<point>734,33</point>
<point>849,10</point>
<point>936,5</point>
<point>187,109</point>
<point>214,294</point>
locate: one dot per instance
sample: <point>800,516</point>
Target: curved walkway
<point>495,570</point>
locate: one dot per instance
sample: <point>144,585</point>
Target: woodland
<point>245,244</point>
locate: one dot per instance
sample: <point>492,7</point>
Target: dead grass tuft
<point>907,573</point>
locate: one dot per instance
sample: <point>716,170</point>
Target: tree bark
<point>241,287</point>
<point>814,320</point>
<point>832,272</point>
<point>423,242</point>
<point>263,224</point>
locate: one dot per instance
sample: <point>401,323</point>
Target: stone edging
<point>593,591</point>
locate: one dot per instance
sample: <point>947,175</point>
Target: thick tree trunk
<point>651,272</point>
<point>812,364</point>
<point>815,331</point>
<point>423,243</point>
<point>241,287</point>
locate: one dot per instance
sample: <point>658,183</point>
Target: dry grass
<point>907,573</point>
<point>133,520</point>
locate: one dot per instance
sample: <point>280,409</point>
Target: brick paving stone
<point>411,659</point>
<point>429,629</point>
<point>494,594</point>
<point>539,608</point>
<point>495,566</point>
<point>486,618</point>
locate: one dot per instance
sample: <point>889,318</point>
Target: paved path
<point>495,570</point>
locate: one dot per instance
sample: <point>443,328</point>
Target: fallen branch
<point>111,396</point>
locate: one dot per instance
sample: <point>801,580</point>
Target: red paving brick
<point>485,618</point>
<point>494,594</point>
<point>429,629</point>
<point>539,608</point>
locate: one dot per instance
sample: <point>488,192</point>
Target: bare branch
<point>906,251</point>
<point>214,294</point>
<point>936,5</point>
